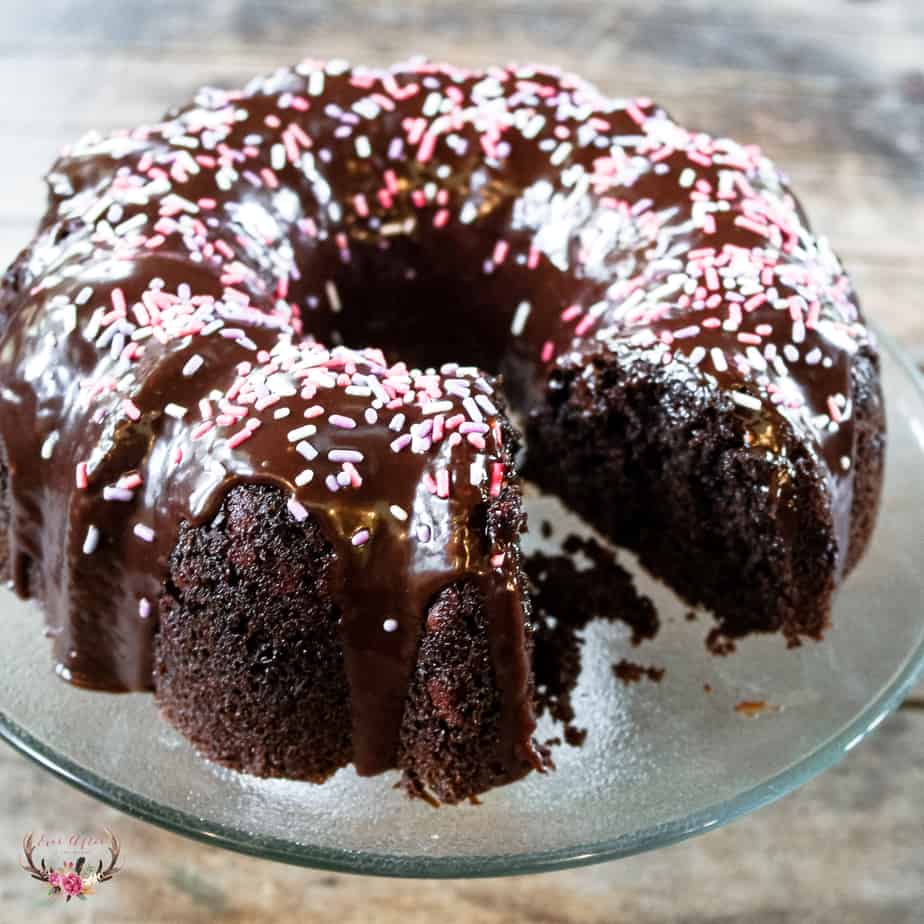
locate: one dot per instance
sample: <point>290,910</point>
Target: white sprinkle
<point>193,365</point>
<point>390,625</point>
<point>297,510</point>
<point>304,477</point>
<point>277,157</point>
<point>281,412</point>
<point>399,513</point>
<point>370,415</point>
<point>316,83</point>
<point>518,323</point>
<point>472,409</point>
<point>437,407</point>
<point>745,400</point>
<point>48,446</point>
<point>333,296</point>
<point>487,405</point>
<point>300,433</point>
<point>363,148</point>
<point>175,410</point>
<point>91,541</point>
<point>718,359</point>
<point>344,455</point>
<point>306,451</point>
<point>756,359</point>
<point>697,355</point>
<point>397,422</point>
<point>144,533</point>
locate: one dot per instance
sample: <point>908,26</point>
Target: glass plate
<point>662,761</point>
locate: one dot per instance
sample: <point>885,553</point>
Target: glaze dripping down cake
<point>256,372</point>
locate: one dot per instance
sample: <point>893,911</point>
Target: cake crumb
<point>630,672</point>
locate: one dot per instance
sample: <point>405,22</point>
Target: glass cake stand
<point>661,762</point>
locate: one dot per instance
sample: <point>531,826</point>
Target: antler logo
<point>71,879</point>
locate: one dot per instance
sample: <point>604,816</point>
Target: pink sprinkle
<point>130,482</point>
<point>548,351</point>
<point>427,146</point>
<point>240,437</point>
<point>203,428</point>
<point>361,537</point>
<point>338,420</point>
<point>81,475</point>
<point>131,409</point>
<point>314,411</point>
<point>118,301</point>
<point>497,477</point>
<point>476,440</point>
<point>441,218</point>
<point>570,313</point>
<point>497,559</point>
<point>501,249</point>
<point>355,478</point>
<point>442,483</point>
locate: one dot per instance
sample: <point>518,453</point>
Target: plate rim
<point>824,756</point>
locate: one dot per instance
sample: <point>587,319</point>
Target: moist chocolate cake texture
<point>250,458</point>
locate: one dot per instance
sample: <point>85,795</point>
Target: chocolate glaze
<point>513,219</point>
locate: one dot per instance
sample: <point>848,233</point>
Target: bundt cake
<point>255,456</point>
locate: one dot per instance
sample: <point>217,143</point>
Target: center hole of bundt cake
<point>419,306</point>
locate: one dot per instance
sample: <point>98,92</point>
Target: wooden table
<point>834,90</point>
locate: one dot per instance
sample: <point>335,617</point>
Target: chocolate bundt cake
<point>253,453</point>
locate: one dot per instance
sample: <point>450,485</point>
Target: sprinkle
<point>176,411</point>
<point>718,359</point>
<point>193,366</point>
<point>144,533</point>
<point>81,475</point>
<point>300,433</point>
<point>131,409</point>
<point>399,513</point>
<point>442,483</point>
<point>745,400</point>
<point>306,451</point>
<point>111,493</point>
<point>338,420</point>
<point>497,478</point>
<point>344,455</point>
<point>144,608</point>
<point>390,625</point>
<point>520,316</point>
<point>298,511</point>
<point>333,296</point>
<point>486,404</point>
<point>48,446</point>
<point>360,537</point>
<point>91,541</point>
